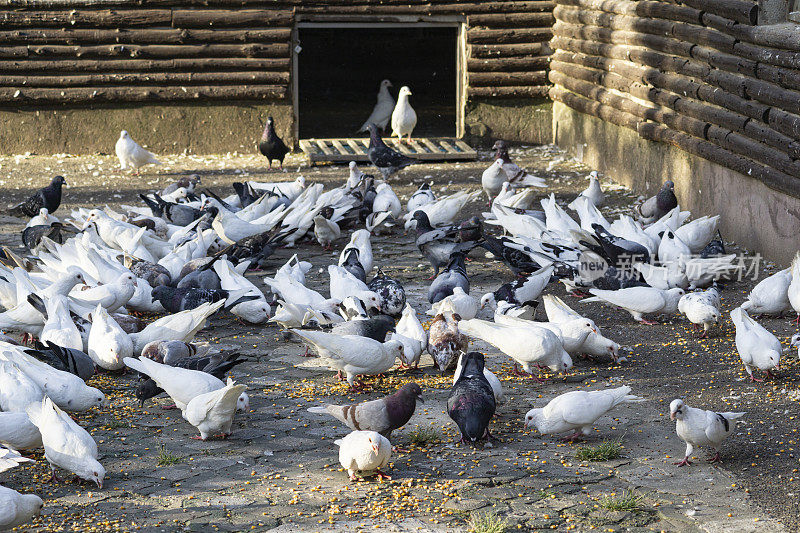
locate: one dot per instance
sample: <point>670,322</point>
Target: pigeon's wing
<point>198,409</point>
<point>373,415</point>
<point>717,426</point>
<point>579,407</point>
<point>435,235</point>
<point>641,299</point>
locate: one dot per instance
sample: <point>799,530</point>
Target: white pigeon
<point>410,327</point>
<point>525,345</point>
<point>68,391</point>
<point>386,200</point>
<point>17,509</point>
<point>59,327</point>
<point>11,459</point>
<point>771,295</point>
<point>497,387</point>
<point>360,241</point>
<point>355,176</point>
<point>757,347</point>
<point>326,231</point>
<point>596,344</point>
<point>44,218</point>
<point>353,354</point>
<point>639,301</point>
<point>573,332</point>
<point>108,343</point>
<point>528,312</point>
<point>795,343</point>
<point>698,233</point>
<point>701,308</point>
<point>380,223</point>
<point>131,155</point>
<point>66,444</point>
<point>343,284</point>
<point>588,214</point>
<point>252,311</point>
<point>443,211</point>
<point>111,296</point>
<point>556,219</point>
<point>17,390</point>
<point>18,432</point>
<point>793,292</point>
<point>182,384</point>
<point>672,249</point>
<point>702,272</point>
<point>493,178</point>
<point>404,118</point>
<point>663,277</point>
<point>366,452</point>
<point>212,413</point>
<point>577,411</point>
<point>593,192</point>
<point>461,304</point>
<point>383,108</point>
<point>180,326</point>
<point>698,427</point>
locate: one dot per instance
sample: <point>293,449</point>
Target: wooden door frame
<point>350,22</point>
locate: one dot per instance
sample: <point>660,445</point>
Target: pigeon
<point>11,459</point>
<point>177,214</point>
<point>271,146</point>
<point>18,432</point>
<point>404,118</point>
<point>170,352</point>
<point>701,308</point>
<point>383,108</point>
<point>213,412</point>
<point>353,355</point>
<point>66,444</point>
<point>375,328</point>
<point>715,248</point>
<point>518,261</point>
<point>445,341</point>
<point>175,300</point>
<point>453,276</point>
<point>459,303</point>
<point>380,223</point>
<point>326,230</point>
<point>383,415</point>
<point>390,292</point>
<point>595,344</point>
<point>793,291</point>
<point>771,295</point>
<point>33,236</point>
<point>352,264</point>
<point>153,273</point>
<point>698,233</point>
<point>497,387</point>
<point>108,343</point>
<point>573,332</point>
<point>131,155</point>
<point>527,345</point>
<point>672,249</point>
<point>522,291</point>
<point>366,452</point>
<point>639,301</point>
<point>386,200</point>
<point>47,197</point>
<point>437,245</point>
<point>360,241</point>
<point>577,411</point>
<point>17,509</point>
<point>659,205</point>
<point>384,158</point>
<point>423,196</point>
<point>44,218</point>
<point>663,277</point>
<point>757,347</point>
<point>409,327</point>
<point>344,284</point>
<point>471,402</point>
<point>59,327</point>
<point>17,390</point>
<point>593,192</point>
<point>111,296</point>
<point>619,251</point>
<point>180,327</point>
<point>67,359</point>
<point>517,177</point>
<point>698,427</point>
<point>187,182</point>
<point>181,384</point>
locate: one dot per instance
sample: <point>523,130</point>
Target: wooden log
<point>770,56</point>
<point>506,64</point>
<point>512,20</point>
<point>781,36</point>
<point>629,38</point>
<point>786,78</point>
<point>531,35</point>
<point>594,108</point>
<point>508,92</point>
<point>502,79</point>
<point>225,18</point>
<point>71,36</point>
<point>760,131</point>
<point>101,18</point>
<point>755,150</point>
<point>147,51</point>
<point>724,61</point>
<point>786,123</point>
<point>445,7</point>
<point>488,51</point>
<point>148,78</point>
<point>142,65</point>
<point>38,96</point>
<point>741,11</point>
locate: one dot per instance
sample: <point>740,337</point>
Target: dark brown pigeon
<point>49,197</point>
<point>271,146</point>
<point>471,403</point>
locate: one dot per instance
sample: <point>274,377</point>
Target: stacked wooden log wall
<point>98,51</point>
<point>697,74</point>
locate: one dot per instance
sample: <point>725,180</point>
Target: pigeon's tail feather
<point>733,416</point>
<point>136,364</point>
<point>38,304</point>
<point>592,299</point>
<point>632,398</point>
<point>319,410</point>
<point>155,207</point>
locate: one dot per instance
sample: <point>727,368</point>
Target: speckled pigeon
<point>384,158</point>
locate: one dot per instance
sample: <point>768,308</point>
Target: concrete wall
<point>525,121</point>
<point>165,129</point>
<point>753,215</point>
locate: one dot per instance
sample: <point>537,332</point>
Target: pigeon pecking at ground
<point>366,452</point>
<point>47,197</point>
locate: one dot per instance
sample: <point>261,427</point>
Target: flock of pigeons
<point>184,252</point>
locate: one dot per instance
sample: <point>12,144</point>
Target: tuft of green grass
<point>166,457</point>
<point>116,424</point>
<point>605,451</point>
<point>487,523</point>
<point>627,501</point>
<point>424,436</point>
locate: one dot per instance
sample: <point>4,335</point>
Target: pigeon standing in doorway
<point>271,146</point>
<point>47,197</point>
<point>387,160</point>
<point>404,118</point>
<point>383,108</point>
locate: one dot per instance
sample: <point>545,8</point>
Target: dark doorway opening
<point>340,70</point>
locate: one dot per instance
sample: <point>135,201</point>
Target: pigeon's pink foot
<point>53,476</point>
<point>715,458</point>
<point>433,276</point>
<point>197,437</point>
<point>648,322</point>
<point>685,462</point>
<point>757,380</point>
<point>572,438</point>
<point>381,475</point>
<point>306,354</point>
<point>168,407</point>
<point>579,294</point>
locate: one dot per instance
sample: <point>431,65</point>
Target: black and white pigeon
<point>384,158</point>
<point>383,415</point>
<point>67,359</point>
<point>438,244</point>
<point>247,195</point>
<point>471,403</point>
<point>659,205</point>
<point>352,264</point>
<point>376,327</point>
<point>48,197</point>
<point>616,250</point>
<point>521,291</point>
<point>391,293</point>
<point>176,299</point>
<point>178,214</point>
<point>32,235</point>
<point>518,261</point>
<point>271,146</point>
<point>199,273</point>
<point>454,275</point>
<point>698,427</point>
<point>187,182</point>
<point>715,248</point>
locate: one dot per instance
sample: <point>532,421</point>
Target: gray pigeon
<point>353,265</point>
<point>187,182</point>
<point>176,299</point>
<point>471,403</point>
<point>659,205</point>
<point>374,328</point>
<point>383,415</point>
<point>170,352</point>
<point>384,158</point>
<point>454,275</point>
<point>67,359</point>
<point>152,273</point>
<point>438,244</point>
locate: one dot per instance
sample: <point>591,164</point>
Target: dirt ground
<point>279,471</point>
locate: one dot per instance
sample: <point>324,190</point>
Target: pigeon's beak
<point>374,447</point>
<point>99,483</point>
<point>672,416</point>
